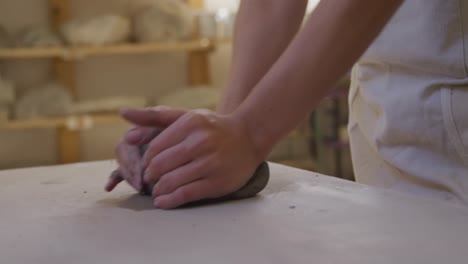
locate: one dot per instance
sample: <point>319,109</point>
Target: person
<point>408,96</point>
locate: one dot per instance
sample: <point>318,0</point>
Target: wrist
<point>260,142</point>
<point>229,103</point>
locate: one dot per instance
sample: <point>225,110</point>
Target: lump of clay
<point>192,98</point>
<point>5,40</point>
<point>106,105</point>
<point>38,37</point>
<point>97,31</point>
<point>7,92</point>
<point>163,20</point>
<point>50,100</point>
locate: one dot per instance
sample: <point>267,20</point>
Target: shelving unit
<point>78,53</point>
<point>68,128</point>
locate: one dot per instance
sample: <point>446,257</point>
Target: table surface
<point>61,214</point>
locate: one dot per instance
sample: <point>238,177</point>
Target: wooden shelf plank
<point>76,53</point>
<point>80,122</point>
<point>143,48</point>
<point>26,53</point>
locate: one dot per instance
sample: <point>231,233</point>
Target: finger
<point>114,179</point>
<point>139,135</point>
<point>174,157</point>
<point>153,117</point>
<point>179,177</point>
<point>191,192</point>
<point>165,162</point>
<point>171,136</point>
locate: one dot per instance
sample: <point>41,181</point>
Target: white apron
<point>409,103</point>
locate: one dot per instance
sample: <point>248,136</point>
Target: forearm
<point>336,35</point>
<point>264,28</point>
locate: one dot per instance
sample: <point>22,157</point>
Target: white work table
<point>61,215</point>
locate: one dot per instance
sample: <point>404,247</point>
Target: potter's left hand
<point>128,156</point>
<point>128,151</point>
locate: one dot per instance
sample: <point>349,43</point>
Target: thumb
<point>152,117</point>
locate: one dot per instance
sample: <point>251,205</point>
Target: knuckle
<point>184,150</point>
<point>201,119</point>
<point>197,119</point>
<point>197,144</point>
<point>200,167</point>
<point>205,138</point>
<point>204,141</point>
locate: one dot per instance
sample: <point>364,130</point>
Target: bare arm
<point>264,28</point>
<point>336,35</point>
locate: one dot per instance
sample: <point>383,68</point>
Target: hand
<point>128,152</point>
<point>200,155</point>
<point>129,157</point>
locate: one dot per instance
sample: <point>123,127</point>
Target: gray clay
<point>130,157</point>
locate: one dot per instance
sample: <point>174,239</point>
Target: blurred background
<point>67,66</point>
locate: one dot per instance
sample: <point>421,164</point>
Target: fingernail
<point>146,176</point>
<point>137,183</point>
<point>144,164</point>
<point>157,202</point>
<point>155,192</point>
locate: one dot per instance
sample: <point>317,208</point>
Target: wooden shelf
<point>77,53</point>
<point>76,122</point>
